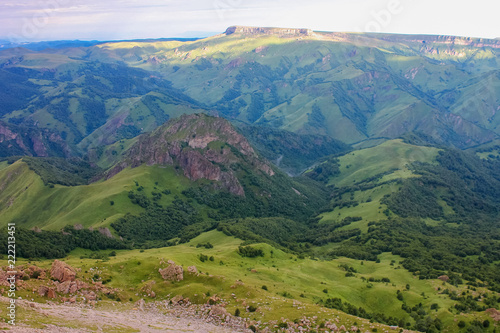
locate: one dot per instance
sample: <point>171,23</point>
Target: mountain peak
<point>203,147</point>
<point>238,29</point>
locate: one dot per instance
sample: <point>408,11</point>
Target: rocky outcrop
<point>43,290</point>
<point>203,147</point>
<point>268,31</point>
<point>443,278</point>
<point>70,287</point>
<point>62,271</point>
<point>172,273</point>
<point>106,232</point>
<point>192,270</point>
<point>29,141</point>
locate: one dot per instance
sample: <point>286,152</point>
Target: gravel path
<point>153,318</point>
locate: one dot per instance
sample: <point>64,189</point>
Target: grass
<point>370,208</point>
<point>26,200</point>
<point>392,156</point>
<point>239,281</point>
<point>391,160</point>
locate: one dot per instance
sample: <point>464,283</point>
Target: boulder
<point>192,270</point>
<point>63,287</point>
<point>92,296</point>
<point>177,299</point>
<point>444,278</point>
<point>218,311</point>
<point>172,273</point>
<point>43,290</point>
<point>51,293</point>
<point>62,271</point>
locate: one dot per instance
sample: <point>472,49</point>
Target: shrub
<point>250,252</point>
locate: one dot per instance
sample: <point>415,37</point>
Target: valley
<point>262,179</point>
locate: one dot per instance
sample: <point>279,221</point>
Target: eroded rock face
<point>203,147</point>
<point>268,31</point>
<point>62,271</point>
<point>31,141</point>
<point>172,273</point>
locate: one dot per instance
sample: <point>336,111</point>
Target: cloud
<point>124,19</point>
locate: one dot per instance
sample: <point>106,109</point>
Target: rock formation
<point>172,272</point>
<point>203,147</point>
<point>62,271</point>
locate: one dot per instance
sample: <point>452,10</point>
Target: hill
<point>348,86</point>
<point>196,165</point>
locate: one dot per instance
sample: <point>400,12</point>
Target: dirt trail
<point>155,318</point>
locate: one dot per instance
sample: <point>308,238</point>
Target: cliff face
<point>203,147</point>
<point>268,31</point>
<point>15,140</point>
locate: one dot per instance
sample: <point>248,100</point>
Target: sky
<point>36,20</point>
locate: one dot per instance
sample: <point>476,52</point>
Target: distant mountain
<point>195,158</point>
<point>60,44</point>
<point>352,87</point>
<point>26,141</point>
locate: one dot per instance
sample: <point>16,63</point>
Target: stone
<point>43,290</point>
<point>218,311</point>
<point>62,271</point>
<point>192,270</point>
<point>172,273</point>
<point>51,293</point>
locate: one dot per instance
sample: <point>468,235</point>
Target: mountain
<point>120,154</point>
<point>29,141</point>
<point>203,147</point>
<point>86,103</point>
<point>350,87</point>
<point>196,158</point>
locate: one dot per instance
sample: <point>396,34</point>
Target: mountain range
<point>312,147</point>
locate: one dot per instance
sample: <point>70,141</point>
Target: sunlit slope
<point>391,158</point>
<point>28,202</point>
<point>368,174</point>
<point>348,86</point>
<point>293,285</point>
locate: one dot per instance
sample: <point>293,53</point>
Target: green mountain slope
<point>348,86</point>
<point>351,87</point>
<point>195,160</point>
<point>86,103</point>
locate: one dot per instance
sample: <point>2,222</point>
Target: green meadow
<point>279,284</point>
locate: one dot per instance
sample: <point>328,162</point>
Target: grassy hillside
<point>293,286</point>
<point>363,178</point>
<point>26,200</point>
<point>392,158</point>
<point>351,87</point>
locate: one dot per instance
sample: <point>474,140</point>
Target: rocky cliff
<point>268,31</point>
<point>16,140</point>
<point>203,147</point>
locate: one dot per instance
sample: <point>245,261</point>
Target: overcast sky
<point>35,20</point>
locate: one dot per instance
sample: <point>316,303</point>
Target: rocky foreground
<point>153,317</point>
